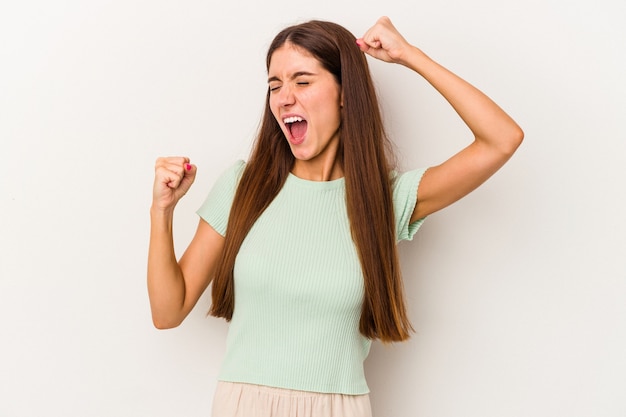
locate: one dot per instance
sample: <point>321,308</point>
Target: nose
<point>286,96</point>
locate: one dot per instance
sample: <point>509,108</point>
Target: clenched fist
<point>383,41</point>
<point>172,178</point>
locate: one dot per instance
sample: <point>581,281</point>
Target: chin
<point>301,154</point>
<point>301,157</point>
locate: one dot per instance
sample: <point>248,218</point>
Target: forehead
<point>290,59</point>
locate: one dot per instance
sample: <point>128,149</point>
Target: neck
<point>318,170</point>
<point>326,165</point>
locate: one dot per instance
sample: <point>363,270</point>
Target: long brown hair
<point>365,152</point>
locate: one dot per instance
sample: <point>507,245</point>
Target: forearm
<point>166,285</point>
<point>487,121</point>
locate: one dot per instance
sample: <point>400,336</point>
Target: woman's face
<point>306,101</point>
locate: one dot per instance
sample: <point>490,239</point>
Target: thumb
<point>373,49</point>
<point>363,46</point>
<point>189,177</point>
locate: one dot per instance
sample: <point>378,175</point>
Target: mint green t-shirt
<point>299,286</point>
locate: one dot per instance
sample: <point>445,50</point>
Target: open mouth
<point>297,127</point>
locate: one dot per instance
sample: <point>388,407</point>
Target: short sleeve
<point>216,207</point>
<point>405,187</point>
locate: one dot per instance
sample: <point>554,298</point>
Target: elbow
<point>164,323</point>
<point>514,139</point>
<point>518,137</point>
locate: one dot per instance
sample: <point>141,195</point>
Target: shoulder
<point>405,196</point>
<point>236,169</point>
<point>404,182</point>
<point>216,206</point>
<point>229,178</point>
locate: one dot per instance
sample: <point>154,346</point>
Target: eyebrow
<point>293,76</point>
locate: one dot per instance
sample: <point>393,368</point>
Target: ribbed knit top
<point>299,286</point>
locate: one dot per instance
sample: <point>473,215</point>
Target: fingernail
<point>188,167</point>
<point>358,42</point>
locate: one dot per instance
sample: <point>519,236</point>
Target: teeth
<point>293,119</point>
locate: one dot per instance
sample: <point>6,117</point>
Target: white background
<point>517,292</point>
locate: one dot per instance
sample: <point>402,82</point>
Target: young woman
<point>299,242</point>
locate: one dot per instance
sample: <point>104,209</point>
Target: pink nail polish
<point>188,167</point>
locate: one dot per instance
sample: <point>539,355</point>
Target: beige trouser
<point>247,400</point>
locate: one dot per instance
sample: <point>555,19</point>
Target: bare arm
<point>175,287</point>
<point>496,135</point>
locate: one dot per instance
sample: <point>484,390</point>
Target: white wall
<point>517,292</point>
